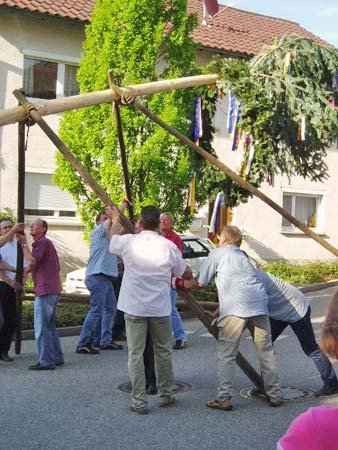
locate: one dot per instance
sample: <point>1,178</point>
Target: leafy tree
<point>141,41</point>
<point>274,97</point>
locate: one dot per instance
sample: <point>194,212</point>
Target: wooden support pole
<point>233,175</point>
<point>60,105</point>
<point>20,218</point>
<point>103,196</point>
<point>116,113</point>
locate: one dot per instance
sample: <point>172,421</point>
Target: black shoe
<point>327,390</point>
<point>39,367</point>
<point>60,363</point>
<point>87,349</point>
<point>275,402</point>
<point>151,390</point>
<point>180,344</point>
<point>111,346</point>
<point>5,357</point>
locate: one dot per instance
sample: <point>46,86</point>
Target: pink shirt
<point>46,272</point>
<point>316,429</point>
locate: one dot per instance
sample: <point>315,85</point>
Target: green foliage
<point>273,102</point>
<point>141,41</point>
<point>314,272</point>
<point>7,213</point>
<point>67,315</point>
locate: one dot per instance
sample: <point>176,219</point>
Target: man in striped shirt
<point>43,263</point>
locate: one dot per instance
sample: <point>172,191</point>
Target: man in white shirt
<point>149,261</point>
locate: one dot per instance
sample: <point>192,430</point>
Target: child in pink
<point>316,429</point>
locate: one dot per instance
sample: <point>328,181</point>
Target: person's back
<point>239,290</point>
<point>285,302</point>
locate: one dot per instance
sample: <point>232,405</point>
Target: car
<point>196,251</point>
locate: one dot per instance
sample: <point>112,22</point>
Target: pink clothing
<point>46,272</point>
<point>316,429</point>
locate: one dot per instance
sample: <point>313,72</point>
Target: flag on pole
<point>231,109</point>
<point>214,227</point>
<point>236,132</point>
<point>190,206</point>
<point>198,127</point>
<point>211,7</point>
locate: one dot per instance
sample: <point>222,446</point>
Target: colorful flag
<point>236,132</point>
<point>198,128</point>
<point>231,109</point>
<point>190,207</point>
<point>214,227</point>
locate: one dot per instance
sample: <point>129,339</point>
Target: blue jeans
<point>96,328</point>
<point>46,335</point>
<point>176,321</point>
<point>306,337</point>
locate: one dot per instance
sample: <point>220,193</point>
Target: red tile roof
<point>233,30</point>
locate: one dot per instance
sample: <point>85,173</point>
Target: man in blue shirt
<point>243,304</point>
<point>101,269</point>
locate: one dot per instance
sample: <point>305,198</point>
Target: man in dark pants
<point>7,291</point>
<point>288,306</point>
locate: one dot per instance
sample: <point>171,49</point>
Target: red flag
<point>211,6</point>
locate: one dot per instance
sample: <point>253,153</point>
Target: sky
<point>320,17</point>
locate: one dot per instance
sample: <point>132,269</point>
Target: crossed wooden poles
<point>116,95</point>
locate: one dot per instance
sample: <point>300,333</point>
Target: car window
<point>193,248</point>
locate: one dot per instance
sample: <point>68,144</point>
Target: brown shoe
<point>218,404</point>
<point>275,402</point>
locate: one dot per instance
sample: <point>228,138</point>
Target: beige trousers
<point>160,329</point>
<point>230,332</point>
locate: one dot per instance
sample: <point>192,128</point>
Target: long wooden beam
<point>59,105</point>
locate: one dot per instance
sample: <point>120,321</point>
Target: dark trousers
<point>304,331</point>
<point>148,361</point>
<point>8,306</point>
<point>119,325</point>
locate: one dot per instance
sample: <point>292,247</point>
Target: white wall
<point>21,31</point>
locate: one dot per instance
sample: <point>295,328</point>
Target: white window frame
<point>61,60</point>
<point>319,194</point>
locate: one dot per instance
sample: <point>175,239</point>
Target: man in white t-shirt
<point>149,261</point>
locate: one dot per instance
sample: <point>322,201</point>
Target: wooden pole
<point>187,296</point>
<point>103,196</point>
<point>60,105</point>
<point>20,218</point>
<point>233,175</point>
<point>116,113</point>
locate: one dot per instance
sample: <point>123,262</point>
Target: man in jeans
<point>166,229</point>
<point>96,332</point>
<point>149,261</point>
<point>44,264</point>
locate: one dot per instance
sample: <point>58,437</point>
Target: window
<point>44,199</point>
<point>306,207</point>
<point>49,79</point>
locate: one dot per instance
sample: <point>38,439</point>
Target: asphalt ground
<point>78,406</point>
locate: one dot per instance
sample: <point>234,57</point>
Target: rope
<point>28,107</point>
<point>127,99</point>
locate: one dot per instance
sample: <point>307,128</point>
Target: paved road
<point>79,407</point>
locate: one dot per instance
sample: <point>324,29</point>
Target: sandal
<point>218,404</point>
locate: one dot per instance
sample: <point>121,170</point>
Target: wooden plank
<point>60,105</point>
